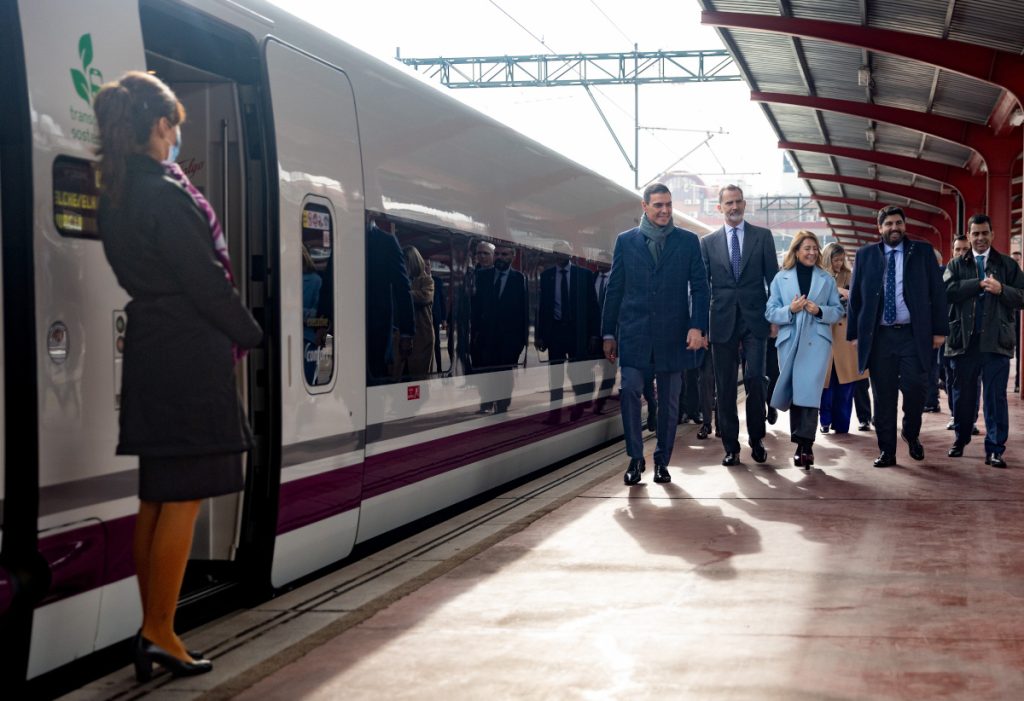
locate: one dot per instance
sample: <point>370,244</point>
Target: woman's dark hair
<point>126,111</point>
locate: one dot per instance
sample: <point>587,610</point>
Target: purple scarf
<point>220,244</point>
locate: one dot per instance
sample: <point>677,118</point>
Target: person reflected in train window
<point>568,324</point>
<point>804,303</point>
<point>415,364</point>
<point>655,317</point>
<point>388,303</point>
<point>482,257</point>
<point>608,370</point>
<point>898,330</point>
<point>439,316</point>
<point>180,411</point>
<point>313,331</point>
<point>500,324</point>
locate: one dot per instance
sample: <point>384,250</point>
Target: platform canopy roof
<point>908,102</point>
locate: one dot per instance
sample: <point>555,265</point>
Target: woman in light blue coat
<point>804,303</point>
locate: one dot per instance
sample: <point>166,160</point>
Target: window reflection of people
<point>567,323</point>
<point>439,315</point>
<point>482,259</point>
<point>179,411</point>
<point>388,302</point>
<point>312,333</point>
<point>804,304</point>
<point>415,363</point>
<point>500,319</point>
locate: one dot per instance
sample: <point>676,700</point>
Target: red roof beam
<point>971,187</point>
<point>1000,68</point>
<point>922,230</point>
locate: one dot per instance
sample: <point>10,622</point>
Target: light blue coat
<point>804,341</point>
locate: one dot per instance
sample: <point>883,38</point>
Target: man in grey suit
<point>741,263</point>
<point>657,278</point>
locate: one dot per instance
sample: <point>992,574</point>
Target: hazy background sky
<point>564,118</point>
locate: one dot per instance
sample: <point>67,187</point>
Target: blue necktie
<point>979,304</point>
<point>889,313</point>
<point>734,254</point>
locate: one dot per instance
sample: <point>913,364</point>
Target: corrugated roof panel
<point>891,139</point>
<point>995,23</point>
<point>828,10</point>
<point>828,189</point>
<point>834,69</point>
<point>965,98</point>
<point>771,61</point>
<point>755,7</point>
<point>927,17</point>
<point>901,83</point>
<point>946,152</point>
<point>815,162</point>
<point>846,130</point>
<point>796,123</point>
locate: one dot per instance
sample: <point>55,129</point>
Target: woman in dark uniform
<point>180,411</point>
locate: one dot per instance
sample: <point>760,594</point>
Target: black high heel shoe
<point>194,654</point>
<point>146,653</point>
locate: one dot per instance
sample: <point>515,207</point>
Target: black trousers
<point>707,390</point>
<point>771,368</point>
<point>862,400</point>
<point>803,423</point>
<point>896,369</point>
<point>727,363</point>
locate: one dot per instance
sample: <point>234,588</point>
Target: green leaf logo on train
<point>88,80</point>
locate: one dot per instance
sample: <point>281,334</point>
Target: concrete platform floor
<point>752,582</point>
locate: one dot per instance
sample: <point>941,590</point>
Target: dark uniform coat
<point>178,393</point>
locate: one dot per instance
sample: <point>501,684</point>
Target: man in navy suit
<point>500,322</point>
<point>898,317</point>
<point>657,278</point>
<point>741,264</point>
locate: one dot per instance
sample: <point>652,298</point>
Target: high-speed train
<point>303,145</point>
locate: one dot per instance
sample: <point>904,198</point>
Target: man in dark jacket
<point>897,316</point>
<point>388,301</point>
<point>500,322</point>
<point>985,290</point>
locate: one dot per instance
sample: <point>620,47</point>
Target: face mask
<point>172,156</point>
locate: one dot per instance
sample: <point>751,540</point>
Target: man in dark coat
<point>388,301</point>
<point>897,315</point>
<point>985,290</point>
<point>500,320</point>
<point>741,264</point>
<point>655,316</point>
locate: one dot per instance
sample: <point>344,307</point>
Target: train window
<point>75,197</point>
<point>317,294</point>
<point>408,300</point>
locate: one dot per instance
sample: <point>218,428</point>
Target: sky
<point>564,119</point>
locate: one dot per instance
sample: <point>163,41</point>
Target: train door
<point>321,293</point>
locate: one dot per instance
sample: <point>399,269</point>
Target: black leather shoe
<point>824,429</point>
<point>773,415</point>
<point>955,451</point>
<point>147,653</point>
<point>758,452</point>
<point>975,431</point>
<point>951,425</point>
<point>661,474</point>
<point>995,460</point>
<point>885,460</point>
<point>916,449</point>
<point>703,432</point>
<point>636,467</point>
<point>731,459</point>
<point>864,426</point>
<point>798,460</point>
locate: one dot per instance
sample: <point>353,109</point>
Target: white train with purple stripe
<point>300,142</point>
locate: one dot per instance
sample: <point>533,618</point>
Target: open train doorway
<point>213,69</point>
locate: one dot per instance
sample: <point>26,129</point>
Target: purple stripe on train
<point>306,501</point>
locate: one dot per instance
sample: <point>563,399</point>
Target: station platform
<point>751,582</point>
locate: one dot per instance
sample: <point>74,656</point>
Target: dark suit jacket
<point>749,295</point>
<point>388,298</point>
<point>650,308</point>
<point>923,292</point>
<point>585,314</point>
<point>499,325</point>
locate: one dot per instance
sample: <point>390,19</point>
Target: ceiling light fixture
<point>864,76</point>
<point>869,134</point>
<point>872,171</point>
